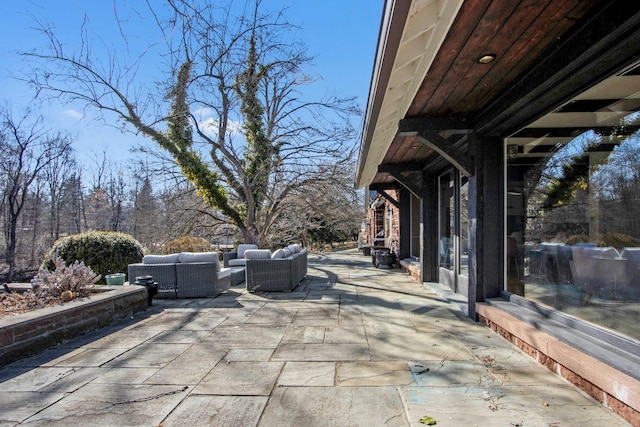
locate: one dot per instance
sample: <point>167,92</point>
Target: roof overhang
<point>431,95</point>
<point>411,35</point>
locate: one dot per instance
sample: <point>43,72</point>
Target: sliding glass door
<point>453,235</point>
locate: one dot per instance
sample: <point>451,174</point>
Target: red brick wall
<point>370,220</point>
<point>370,225</point>
<point>591,380</point>
<point>395,232</point>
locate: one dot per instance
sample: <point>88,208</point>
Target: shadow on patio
<point>351,345</point>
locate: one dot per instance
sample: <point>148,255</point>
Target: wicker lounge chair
<point>236,258</point>
<point>201,279</point>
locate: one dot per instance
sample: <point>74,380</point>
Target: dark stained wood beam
<point>413,185</point>
<point>400,167</point>
<point>607,39</point>
<point>401,173</point>
<point>574,131</point>
<point>384,186</point>
<point>442,146</point>
<point>386,195</point>
<point>451,125</point>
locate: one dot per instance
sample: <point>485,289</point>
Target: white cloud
<point>210,125</point>
<point>73,114</point>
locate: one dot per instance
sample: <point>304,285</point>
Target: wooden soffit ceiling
<point>427,65</point>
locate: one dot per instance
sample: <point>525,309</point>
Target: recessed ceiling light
<point>486,58</point>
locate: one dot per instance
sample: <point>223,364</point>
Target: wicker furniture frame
<point>163,274</point>
<point>237,275</point>
<point>280,274</point>
<point>201,279</point>
<point>184,280</point>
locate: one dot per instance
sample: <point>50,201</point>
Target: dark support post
<point>404,245</point>
<point>429,228</point>
<point>486,221</point>
<point>475,223</point>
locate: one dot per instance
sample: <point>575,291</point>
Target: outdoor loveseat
<point>281,270</point>
<point>184,275</point>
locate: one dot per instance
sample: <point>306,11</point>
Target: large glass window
<point>573,207</point>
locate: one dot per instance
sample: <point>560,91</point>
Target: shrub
<point>103,251</point>
<point>65,282</point>
<point>577,238</point>
<point>618,240</point>
<point>187,244</point>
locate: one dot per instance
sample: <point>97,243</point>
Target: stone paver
<point>199,410</point>
<point>505,406</point>
<point>372,374</point>
<point>334,406</point>
<point>111,404</point>
<point>351,346</point>
<point>18,406</point>
<point>240,379</point>
<point>308,374</point>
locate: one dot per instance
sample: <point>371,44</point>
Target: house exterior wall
<point>568,69</point>
<point>385,217</point>
<point>370,225</point>
<point>395,229</point>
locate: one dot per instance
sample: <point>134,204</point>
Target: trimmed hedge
<point>104,251</point>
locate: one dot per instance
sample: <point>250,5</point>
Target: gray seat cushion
<point>161,259</point>
<point>237,262</point>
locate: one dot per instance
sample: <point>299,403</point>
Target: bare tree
<point>145,211</point>
<point>55,175</point>
<point>26,148</point>
<point>324,212</point>
<point>30,222</point>
<point>106,203</point>
<point>116,194</point>
<point>234,117</point>
<point>72,206</point>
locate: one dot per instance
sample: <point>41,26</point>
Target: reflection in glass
<point>464,226</point>
<point>573,224</point>
<point>453,231</point>
<point>446,221</point>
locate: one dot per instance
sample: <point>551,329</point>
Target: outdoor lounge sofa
<point>236,258</point>
<point>281,270</point>
<point>605,272</point>
<point>184,275</point>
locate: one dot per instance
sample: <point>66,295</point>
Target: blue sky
<point>340,34</point>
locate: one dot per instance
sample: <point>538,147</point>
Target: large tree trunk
<point>248,236</point>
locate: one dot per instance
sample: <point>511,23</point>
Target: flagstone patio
<point>351,346</point>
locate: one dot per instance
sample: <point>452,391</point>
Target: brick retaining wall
<point>29,333</point>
